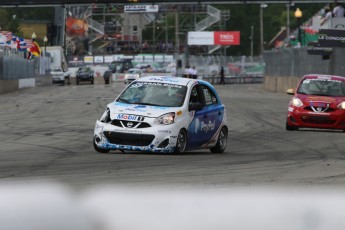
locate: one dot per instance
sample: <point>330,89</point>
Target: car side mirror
<point>195,106</point>
<point>290,91</point>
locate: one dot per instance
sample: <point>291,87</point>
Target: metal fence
<point>14,65</point>
<point>239,66</point>
<point>296,62</point>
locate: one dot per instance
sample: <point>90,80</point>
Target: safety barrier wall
<point>284,68</point>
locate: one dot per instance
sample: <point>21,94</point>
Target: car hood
<point>117,109</point>
<point>314,100</point>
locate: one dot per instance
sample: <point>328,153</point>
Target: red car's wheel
<point>290,127</point>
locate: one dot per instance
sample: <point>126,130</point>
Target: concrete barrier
<point>280,84</point>
<point>7,86</point>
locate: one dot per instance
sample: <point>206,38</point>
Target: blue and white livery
<point>163,114</point>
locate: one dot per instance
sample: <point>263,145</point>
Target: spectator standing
<point>222,80</point>
<point>338,11</point>
<point>328,15</point>
<point>190,72</point>
<point>194,73</point>
<point>186,72</point>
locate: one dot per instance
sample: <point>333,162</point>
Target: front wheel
<point>290,127</point>
<point>99,149</point>
<point>181,143</point>
<point>221,142</point>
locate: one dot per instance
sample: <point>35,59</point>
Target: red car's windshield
<point>322,87</point>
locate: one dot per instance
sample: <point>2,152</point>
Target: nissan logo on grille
<point>129,124</point>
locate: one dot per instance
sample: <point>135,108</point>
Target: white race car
<point>163,114</point>
<point>132,75</point>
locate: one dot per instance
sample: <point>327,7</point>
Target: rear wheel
<point>92,81</point>
<point>221,142</point>
<point>99,149</point>
<point>181,141</point>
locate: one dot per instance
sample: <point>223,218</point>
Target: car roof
<point>167,79</point>
<point>324,76</point>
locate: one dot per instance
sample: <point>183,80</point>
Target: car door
<point>207,120</point>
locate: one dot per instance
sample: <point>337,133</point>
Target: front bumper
<point>307,119</point>
<point>150,139</point>
<point>58,78</point>
<point>84,78</point>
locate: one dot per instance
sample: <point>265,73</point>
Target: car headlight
<point>341,105</point>
<point>296,102</point>
<point>165,119</point>
<point>106,116</point>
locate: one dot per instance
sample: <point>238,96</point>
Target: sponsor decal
<point>128,117</point>
<point>164,131</point>
<point>290,109</point>
<point>205,127</point>
<point>179,113</point>
<point>127,131</point>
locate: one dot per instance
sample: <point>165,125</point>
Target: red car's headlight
<point>341,105</point>
<point>296,102</point>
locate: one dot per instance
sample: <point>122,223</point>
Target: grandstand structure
<point>112,30</point>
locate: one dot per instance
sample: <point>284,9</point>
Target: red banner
<point>227,37</point>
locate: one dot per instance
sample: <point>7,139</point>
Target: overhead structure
<point>25,3</point>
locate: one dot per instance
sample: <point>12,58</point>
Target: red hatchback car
<point>318,102</point>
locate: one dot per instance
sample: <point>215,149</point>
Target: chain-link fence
<point>296,62</point>
<point>14,65</point>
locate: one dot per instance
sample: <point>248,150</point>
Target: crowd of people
<point>330,12</point>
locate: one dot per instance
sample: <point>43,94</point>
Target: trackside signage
<point>214,38</point>
<point>227,38</point>
<point>141,8</point>
<point>315,49</point>
<point>331,38</point>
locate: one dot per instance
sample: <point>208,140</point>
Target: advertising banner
<point>201,38</point>
<point>314,48</point>
<point>227,38</point>
<point>141,8</point>
<point>77,27</point>
<point>214,38</point>
<point>331,38</point>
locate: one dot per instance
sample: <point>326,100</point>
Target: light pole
<point>298,16</point>
<point>251,42</point>
<point>263,5</point>
<point>45,40</point>
<point>33,36</point>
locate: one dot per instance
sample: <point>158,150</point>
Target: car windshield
<point>322,87</point>
<point>154,93</point>
<point>84,70</point>
<point>56,70</point>
<point>134,71</point>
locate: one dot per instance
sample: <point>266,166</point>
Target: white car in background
<point>132,75</point>
<point>59,75</point>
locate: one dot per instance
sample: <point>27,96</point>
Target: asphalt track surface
<point>46,134</point>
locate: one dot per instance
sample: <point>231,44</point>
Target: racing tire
<point>221,142</point>
<point>181,143</point>
<point>290,127</point>
<point>99,149</point>
<point>92,82</point>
